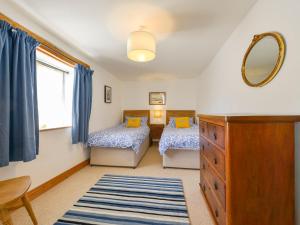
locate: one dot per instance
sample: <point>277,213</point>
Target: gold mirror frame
<point>281,44</point>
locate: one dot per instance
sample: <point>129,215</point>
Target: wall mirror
<point>263,59</point>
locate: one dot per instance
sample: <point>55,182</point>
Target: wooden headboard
<point>136,113</point>
<point>180,113</point>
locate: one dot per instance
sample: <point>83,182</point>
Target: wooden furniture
<point>179,113</point>
<point>121,157</point>
<point>181,158</point>
<point>247,168</point>
<point>47,47</point>
<point>156,131</point>
<point>136,113</point>
<point>13,194</point>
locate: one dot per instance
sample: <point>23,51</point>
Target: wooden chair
<point>12,196</point>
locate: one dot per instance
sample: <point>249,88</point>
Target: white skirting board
<point>181,158</point>
<point>118,156</point>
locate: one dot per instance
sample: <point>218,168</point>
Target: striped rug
<point>130,200</point>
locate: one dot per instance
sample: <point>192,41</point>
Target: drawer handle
<point>215,161</point>
<point>203,167</point>
<point>203,130</point>
<point>215,136</point>
<point>216,186</point>
<point>202,147</point>
<point>217,213</point>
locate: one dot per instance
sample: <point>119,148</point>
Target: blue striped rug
<point>130,200</point>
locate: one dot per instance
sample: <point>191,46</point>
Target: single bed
<point>180,146</point>
<point>121,146</point>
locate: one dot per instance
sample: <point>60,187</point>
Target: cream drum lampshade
<point>157,113</point>
<point>141,46</point>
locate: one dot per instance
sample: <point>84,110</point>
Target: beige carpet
<point>52,205</point>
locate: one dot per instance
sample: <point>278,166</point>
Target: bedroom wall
<point>57,154</point>
<point>180,94</point>
<point>221,88</point>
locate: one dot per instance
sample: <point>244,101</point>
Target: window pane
<point>54,93</point>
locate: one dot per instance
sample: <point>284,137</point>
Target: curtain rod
<point>46,45</point>
<point>51,66</point>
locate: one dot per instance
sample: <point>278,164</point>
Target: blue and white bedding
<point>119,137</point>
<point>179,138</point>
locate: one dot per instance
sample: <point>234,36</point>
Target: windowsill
<point>55,128</point>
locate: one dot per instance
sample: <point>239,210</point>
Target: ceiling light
<point>141,46</point>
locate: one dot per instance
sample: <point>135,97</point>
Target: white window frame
<point>65,73</point>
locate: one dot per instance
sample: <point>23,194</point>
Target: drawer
<point>216,183</point>
<point>156,134</point>
<point>203,170</point>
<point>203,128</point>
<point>217,186</point>
<point>214,155</point>
<point>216,209</point>
<point>203,164</point>
<point>216,134</point>
<point>201,176</point>
<point>156,131</point>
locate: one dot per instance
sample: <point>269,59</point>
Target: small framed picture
<point>107,94</point>
<point>157,98</point>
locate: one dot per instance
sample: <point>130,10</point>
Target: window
<point>55,91</point>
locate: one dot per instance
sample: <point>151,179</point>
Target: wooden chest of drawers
<point>247,168</point>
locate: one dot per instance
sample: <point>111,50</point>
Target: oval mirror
<point>263,59</point>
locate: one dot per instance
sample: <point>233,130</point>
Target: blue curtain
<point>19,128</point>
<point>82,104</point>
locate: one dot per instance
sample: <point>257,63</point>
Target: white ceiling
<point>189,32</point>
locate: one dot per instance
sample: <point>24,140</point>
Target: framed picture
<point>107,94</point>
<point>157,98</point>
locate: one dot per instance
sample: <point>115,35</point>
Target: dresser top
<point>223,118</point>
